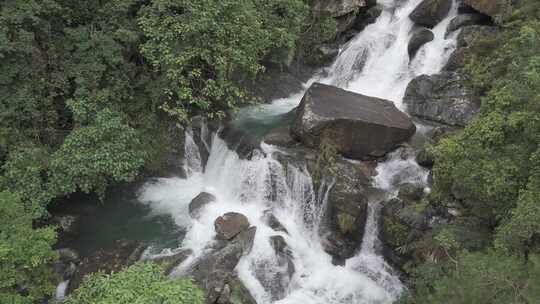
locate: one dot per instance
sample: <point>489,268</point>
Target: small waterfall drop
<point>60,292</point>
<point>192,155</point>
<point>374,63</point>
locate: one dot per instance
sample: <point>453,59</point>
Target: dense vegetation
<point>490,174</point>
<point>89,88</point>
<point>141,283</point>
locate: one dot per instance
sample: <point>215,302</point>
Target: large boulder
<point>418,39</point>
<point>215,272</point>
<point>357,126</point>
<point>201,200</point>
<point>496,9</point>
<point>465,20</point>
<point>430,12</point>
<point>230,225</point>
<point>443,98</point>
<point>347,208</point>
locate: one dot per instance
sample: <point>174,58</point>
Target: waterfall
<point>192,155</point>
<point>61,290</point>
<point>374,63</point>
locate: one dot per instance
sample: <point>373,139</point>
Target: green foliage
<point>142,283</point>
<point>318,30</point>
<point>483,278</point>
<point>325,163</point>
<point>205,48</point>
<point>490,170</point>
<point>92,155</point>
<point>24,254</point>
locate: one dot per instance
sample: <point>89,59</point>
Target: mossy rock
<point>240,294</point>
<point>346,223</point>
<point>395,234</point>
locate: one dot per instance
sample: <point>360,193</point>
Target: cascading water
<point>374,63</point>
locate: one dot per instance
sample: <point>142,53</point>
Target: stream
<point>375,63</point>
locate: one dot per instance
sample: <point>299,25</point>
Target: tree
<point>142,283</point>
<point>488,278</point>
<point>205,48</point>
<point>24,254</point>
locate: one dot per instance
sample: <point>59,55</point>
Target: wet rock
<point>338,247</point>
<point>425,158</point>
<point>230,225</point>
<point>215,271</point>
<point>68,255</point>
<point>464,20</point>
<point>437,133</point>
<point>68,226</point>
<point>406,229</point>
<point>173,149</point>
<point>278,243</point>
<point>443,98</point>
<point>235,292</point>
<point>464,8</point>
<point>108,260</point>
<point>199,202</point>
<point>367,17</point>
<point>418,39</point>
<point>337,8</point>
<point>240,141</point>
<point>275,275</point>
<point>280,136</point>
<point>271,220</point>
<point>347,209</point>
<point>410,192</point>
<point>273,84</point>
<point>457,60</point>
<point>328,52</point>
<point>466,38</point>
<point>170,262</point>
<point>345,22</point>
<point>496,9</point>
<point>66,265</point>
<point>430,12</point>
<point>357,126</point>
<point>471,33</point>
<point>405,152</point>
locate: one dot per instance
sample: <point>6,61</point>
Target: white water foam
<point>374,63</point>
